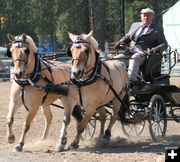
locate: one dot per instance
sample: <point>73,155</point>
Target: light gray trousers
<point>133,62</point>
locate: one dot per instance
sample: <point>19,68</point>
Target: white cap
<point>147,10</point>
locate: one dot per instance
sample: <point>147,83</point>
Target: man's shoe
<point>136,86</point>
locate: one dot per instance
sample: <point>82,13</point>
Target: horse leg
<point>9,120</point>
<point>14,104</point>
<point>102,115</point>
<point>63,133</point>
<point>77,113</point>
<point>81,127</point>
<point>48,119</point>
<point>30,117</point>
<point>113,118</point>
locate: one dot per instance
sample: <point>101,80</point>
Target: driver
<point>142,36</point>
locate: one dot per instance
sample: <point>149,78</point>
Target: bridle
<point>20,44</point>
<point>78,43</point>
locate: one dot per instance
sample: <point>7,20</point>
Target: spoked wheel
<point>134,123</point>
<point>133,130</point>
<point>90,129</point>
<point>157,118</point>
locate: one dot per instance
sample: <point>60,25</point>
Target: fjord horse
<point>94,84</point>
<point>31,74</point>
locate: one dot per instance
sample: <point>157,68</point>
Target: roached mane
<point>92,41</point>
<point>32,45</point>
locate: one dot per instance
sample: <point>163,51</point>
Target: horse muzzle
<point>77,73</point>
<point>19,74</point>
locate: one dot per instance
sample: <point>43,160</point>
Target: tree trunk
<point>99,22</point>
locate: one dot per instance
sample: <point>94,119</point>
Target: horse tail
<point>77,113</point>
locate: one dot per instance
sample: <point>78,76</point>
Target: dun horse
<point>95,83</point>
<point>31,75</point>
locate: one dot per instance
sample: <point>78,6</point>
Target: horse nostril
<point>78,72</point>
<point>18,74</point>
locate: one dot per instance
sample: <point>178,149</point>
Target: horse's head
<point>20,48</point>
<point>83,51</point>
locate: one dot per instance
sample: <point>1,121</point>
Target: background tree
<point>17,18</point>
<point>51,20</point>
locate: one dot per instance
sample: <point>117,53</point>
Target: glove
<point>118,46</point>
<point>153,50</point>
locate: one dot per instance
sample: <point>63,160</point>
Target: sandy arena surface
<point>120,148</point>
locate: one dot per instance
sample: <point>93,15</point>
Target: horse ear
<point>72,36</point>
<point>24,36</point>
<point>90,34</point>
<point>10,37</point>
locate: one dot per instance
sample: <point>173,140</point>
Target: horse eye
<point>27,50</point>
<point>86,50</point>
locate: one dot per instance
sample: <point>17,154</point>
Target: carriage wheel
<point>135,125</point>
<point>133,130</point>
<point>157,118</point>
<point>90,129</point>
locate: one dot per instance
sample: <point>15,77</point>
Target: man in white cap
<point>142,36</point>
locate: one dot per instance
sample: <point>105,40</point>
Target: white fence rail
<point>62,56</point>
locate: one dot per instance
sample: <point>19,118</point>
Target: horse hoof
<point>59,148</point>
<point>107,135</point>
<point>11,139</point>
<point>18,148</point>
<point>73,146</point>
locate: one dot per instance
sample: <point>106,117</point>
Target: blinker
<point>8,53</point>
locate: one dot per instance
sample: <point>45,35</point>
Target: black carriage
<point>153,99</point>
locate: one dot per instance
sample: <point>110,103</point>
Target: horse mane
<point>91,40</point>
<point>32,45</point>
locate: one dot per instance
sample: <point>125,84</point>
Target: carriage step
<point>56,88</point>
<point>175,115</point>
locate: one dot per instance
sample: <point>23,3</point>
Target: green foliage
<point>55,18</point>
<point>112,19</point>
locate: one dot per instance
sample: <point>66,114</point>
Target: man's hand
<point>153,50</point>
<point>118,46</point>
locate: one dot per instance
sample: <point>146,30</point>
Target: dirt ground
<point>120,148</point>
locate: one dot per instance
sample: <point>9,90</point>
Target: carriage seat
<point>151,70</point>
